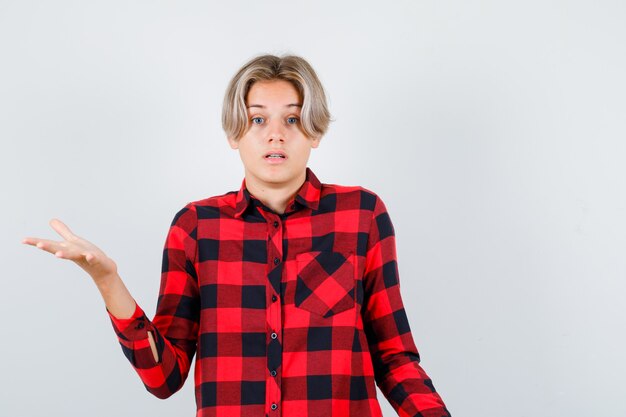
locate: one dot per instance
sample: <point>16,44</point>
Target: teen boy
<point>286,290</point>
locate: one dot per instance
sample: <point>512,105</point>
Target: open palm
<point>74,248</point>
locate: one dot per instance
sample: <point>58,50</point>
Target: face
<point>274,127</point>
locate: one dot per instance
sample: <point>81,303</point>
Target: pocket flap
<point>325,282</point>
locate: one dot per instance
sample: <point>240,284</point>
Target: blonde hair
<point>315,116</point>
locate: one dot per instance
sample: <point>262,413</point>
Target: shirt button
<point>274,298</point>
<point>276,261</point>
<point>275,224</point>
<point>273,373</point>
<point>274,406</point>
<point>273,335</point>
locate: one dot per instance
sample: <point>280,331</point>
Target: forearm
<point>147,345</point>
<point>121,303</point>
<point>157,358</point>
<point>116,296</point>
<point>161,349</point>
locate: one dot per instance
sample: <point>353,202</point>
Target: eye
<point>257,120</point>
<point>292,120</point>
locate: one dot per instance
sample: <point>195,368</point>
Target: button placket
<point>275,227</point>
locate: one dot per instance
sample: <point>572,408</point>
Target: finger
<point>44,244</point>
<point>62,229</point>
<point>35,241</point>
<point>70,252</point>
<point>60,249</point>
<point>30,240</point>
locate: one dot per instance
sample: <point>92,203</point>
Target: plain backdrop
<point>493,130</point>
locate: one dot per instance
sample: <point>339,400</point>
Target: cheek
<point>303,154</point>
<point>249,151</point>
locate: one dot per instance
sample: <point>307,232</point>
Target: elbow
<point>161,393</point>
<point>171,385</point>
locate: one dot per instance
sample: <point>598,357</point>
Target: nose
<point>276,132</point>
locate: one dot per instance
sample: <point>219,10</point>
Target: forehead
<point>272,93</point>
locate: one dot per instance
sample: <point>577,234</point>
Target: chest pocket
<point>325,283</point>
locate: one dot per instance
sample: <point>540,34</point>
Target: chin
<point>279,175</point>
<point>276,178</point>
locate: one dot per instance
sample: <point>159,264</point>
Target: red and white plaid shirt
<point>296,314</point>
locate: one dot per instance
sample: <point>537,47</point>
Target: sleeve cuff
<point>133,328</point>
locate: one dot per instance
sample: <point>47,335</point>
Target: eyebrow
<point>262,107</point>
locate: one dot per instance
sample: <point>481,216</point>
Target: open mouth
<point>274,156</point>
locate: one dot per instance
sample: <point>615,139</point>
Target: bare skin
<point>101,268</point>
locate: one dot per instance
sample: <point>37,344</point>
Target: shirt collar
<point>308,195</point>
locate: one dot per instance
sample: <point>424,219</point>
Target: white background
<point>494,131</point>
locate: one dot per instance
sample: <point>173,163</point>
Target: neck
<point>273,195</point>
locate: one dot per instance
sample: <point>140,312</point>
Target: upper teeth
<point>274,155</point>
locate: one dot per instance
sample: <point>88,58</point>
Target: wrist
<point>107,283</point>
<point>116,297</point>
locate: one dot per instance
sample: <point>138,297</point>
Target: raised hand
<point>102,269</point>
<point>74,248</point>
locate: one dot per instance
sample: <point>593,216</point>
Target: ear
<point>315,141</point>
<point>234,143</point>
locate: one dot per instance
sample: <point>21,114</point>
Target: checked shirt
<point>295,314</point>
